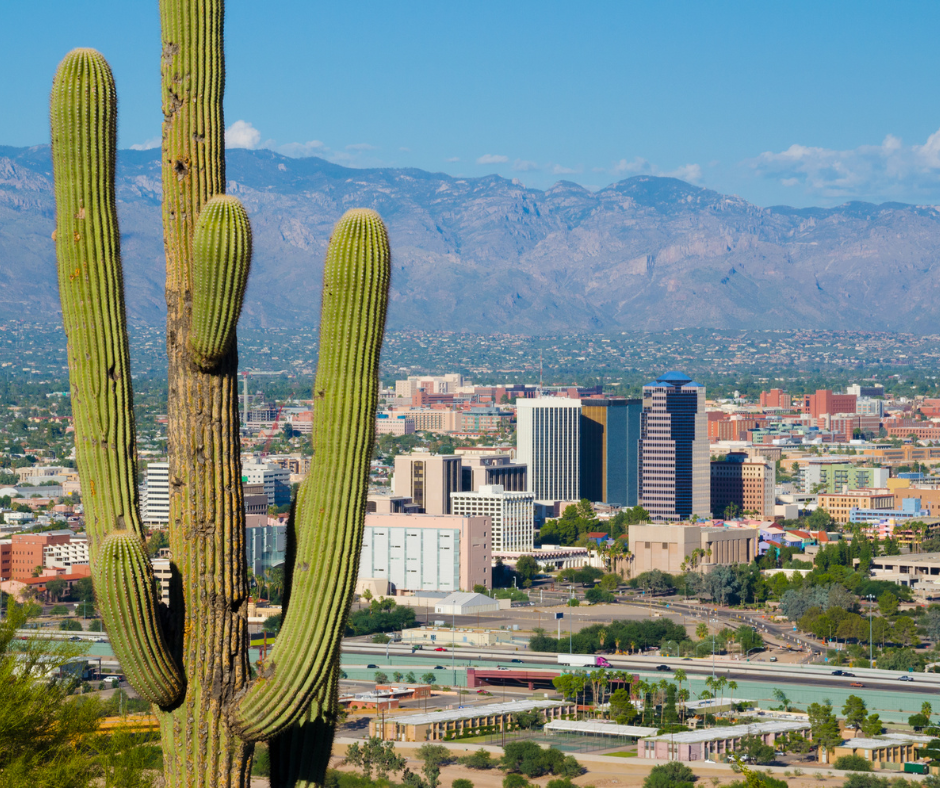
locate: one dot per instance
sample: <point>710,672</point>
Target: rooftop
<point>732,732</point>
<point>471,712</point>
<point>599,728</point>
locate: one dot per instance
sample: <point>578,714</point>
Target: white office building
<point>549,440</point>
<point>156,494</point>
<point>512,515</point>
<point>276,480</point>
<point>65,556</point>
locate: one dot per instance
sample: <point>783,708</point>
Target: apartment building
<point>831,475</point>
<point>840,505</point>
<point>155,495</point>
<point>825,401</point>
<point>675,478</point>
<point>421,552</point>
<point>775,398</point>
<point>26,551</point>
<point>512,515</point>
<point>393,424</point>
<point>65,555</point>
<point>549,443</point>
<point>745,482</point>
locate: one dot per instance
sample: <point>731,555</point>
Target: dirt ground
<point>601,773</point>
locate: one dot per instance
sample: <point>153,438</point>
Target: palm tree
<point>732,686</point>
<point>683,696</point>
<point>780,697</point>
<point>662,687</point>
<point>701,631</point>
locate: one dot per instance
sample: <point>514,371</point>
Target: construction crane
<point>245,375</point>
<point>273,432</point>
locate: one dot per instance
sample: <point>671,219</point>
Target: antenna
<point>539,392</point>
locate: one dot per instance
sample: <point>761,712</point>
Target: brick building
<point>748,483</point>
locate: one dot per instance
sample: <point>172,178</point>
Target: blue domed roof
<point>673,379</point>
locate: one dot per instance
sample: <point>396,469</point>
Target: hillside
<point>490,255</point>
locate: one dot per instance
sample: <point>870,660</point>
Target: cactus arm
<point>125,584</point>
<point>84,115</point>
<point>330,510</point>
<point>221,261</point>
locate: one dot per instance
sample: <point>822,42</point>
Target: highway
<point>778,673</point>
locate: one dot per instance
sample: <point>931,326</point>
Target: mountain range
<point>491,255</point>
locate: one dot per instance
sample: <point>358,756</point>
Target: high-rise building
<point>748,483</point>
<point>675,479</point>
<point>610,435</point>
<point>511,513</point>
<point>156,494</point>
<point>548,434</point>
<point>428,479</point>
<point>480,469</point>
<point>276,480</point>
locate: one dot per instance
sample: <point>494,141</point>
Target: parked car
<point>773,659</point>
<point>664,668</point>
<point>905,678</point>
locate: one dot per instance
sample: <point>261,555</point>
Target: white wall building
<point>276,480</point>
<point>422,552</point>
<point>156,494</point>
<point>512,515</point>
<point>67,555</point>
<point>549,442</point>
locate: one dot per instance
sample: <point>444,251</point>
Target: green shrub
<point>481,759</point>
<point>670,775</point>
<point>461,783</point>
<point>851,763</point>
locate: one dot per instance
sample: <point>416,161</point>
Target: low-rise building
<point>715,744</point>
<point>889,752</point>
<point>675,548</point>
<point>393,424</point>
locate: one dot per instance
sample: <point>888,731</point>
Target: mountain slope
<point>487,254</point>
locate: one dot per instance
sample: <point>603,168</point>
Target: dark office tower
<point>675,478</point>
<point>610,434</point>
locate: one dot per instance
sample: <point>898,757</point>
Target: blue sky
<point>797,103</point>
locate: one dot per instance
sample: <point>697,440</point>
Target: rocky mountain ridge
<point>490,255</point>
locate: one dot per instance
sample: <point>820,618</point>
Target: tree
<point>598,595</point>
<point>432,757</point>
<point>701,631</point>
<point>375,755</point>
<point>206,684</point>
<point>670,775</point>
<point>411,679</point>
<point>888,604</point>
<point>461,782</point>
<point>428,678</point>
<point>854,712</point>
<point>918,721</point>
<point>481,759</point>
<point>380,677</point>
<point>272,624</point>
<point>622,709</point>
<point>70,625</point>
<point>756,751</point>
<point>527,567</point>
<point>55,588</point>
<point>824,726</point>
<point>904,631</point>
<point>853,763</point>
<point>872,726</point>
<point>782,699</point>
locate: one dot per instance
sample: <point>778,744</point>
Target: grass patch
<point>624,754</point>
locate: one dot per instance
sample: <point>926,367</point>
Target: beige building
<point>667,547</point>
<point>840,505</point>
<point>465,636</point>
<point>746,483</point>
<point>428,479</point>
<point>889,752</point>
<point>393,424</point>
<point>430,419</point>
<point>491,468</point>
<point>422,552</point>
<point>511,513</point>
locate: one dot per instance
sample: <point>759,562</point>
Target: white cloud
<point>640,166</point>
<point>301,150</point>
<point>241,134</point>
<point>361,146</point>
<point>491,158</point>
<point>405,150</point>
<point>557,169</point>
<point>153,142</point>
<point>521,165</point>
<point>452,159</point>
<point>889,170</point>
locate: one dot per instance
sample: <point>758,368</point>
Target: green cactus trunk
<point>192,660</point>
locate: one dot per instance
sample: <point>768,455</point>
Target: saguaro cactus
<point>191,659</point>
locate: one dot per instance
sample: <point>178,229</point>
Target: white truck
<point>583,660</point>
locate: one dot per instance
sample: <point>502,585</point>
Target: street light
<point>871,599</point>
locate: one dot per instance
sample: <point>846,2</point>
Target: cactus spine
<point>192,659</point>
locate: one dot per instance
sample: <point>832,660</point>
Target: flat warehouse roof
<point>601,728</point>
<point>468,713</point>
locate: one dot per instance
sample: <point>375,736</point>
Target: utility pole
<point>871,599</point>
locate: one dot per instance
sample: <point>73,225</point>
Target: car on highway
<point>664,668</point>
<point>856,684</point>
<point>370,666</point>
<point>905,678</point>
<point>516,660</point>
<point>842,673</point>
<point>440,648</point>
<point>438,667</point>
